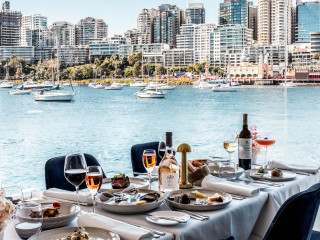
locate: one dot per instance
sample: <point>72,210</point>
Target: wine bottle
<point>169,169</point>
<point>245,145</point>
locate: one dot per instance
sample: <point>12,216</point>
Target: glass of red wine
<point>75,169</point>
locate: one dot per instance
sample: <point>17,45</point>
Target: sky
<point>120,15</point>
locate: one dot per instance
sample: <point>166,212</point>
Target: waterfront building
<point>34,30</point>
<point>239,12</point>
<point>315,42</point>
<point>167,23</point>
<point>65,32</point>
<point>264,22</point>
<point>185,39</point>
<point>10,26</point>
<point>301,54</point>
<point>178,57</point>
<point>126,50</point>
<point>145,26</point>
<point>195,13</point>
<point>118,39</point>
<point>275,54</point>
<point>77,54</point>
<point>294,24</point>
<point>102,48</point>
<point>41,53</point>
<point>133,35</point>
<point>89,29</point>
<point>202,44</point>
<point>25,52</point>
<point>308,16</point>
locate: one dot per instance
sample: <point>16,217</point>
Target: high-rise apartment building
<point>10,26</point>
<point>315,42</point>
<point>202,48</point>
<point>293,24</point>
<point>145,26</point>
<point>195,13</point>
<point>280,21</point>
<point>239,12</point>
<point>308,19</point>
<point>167,24</point>
<point>185,39</point>
<point>133,35</point>
<point>89,29</point>
<point>64,32</point>
<point>274,17</point>
<point>34,30</point>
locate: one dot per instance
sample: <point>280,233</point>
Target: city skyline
<point>111,16</point>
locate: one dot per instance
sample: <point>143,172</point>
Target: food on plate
<point>199,162</point>
<point>262,170</point>
<point>78,234</point>
<point>150,197</point>
<point>185,199</point>
<point>276,172</point>
<point>120,181</point>
<point>215,198</point>
<point>199,194</point>
<point>48,212</point>
<point>140,203</point>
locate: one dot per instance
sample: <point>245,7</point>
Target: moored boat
<point>223,88</point>
<point>114,86</point>
<point>6,84</point>
<point>151,94</point>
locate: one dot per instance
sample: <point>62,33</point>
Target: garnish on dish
<point>262,170</point>
<point>48,212</point>
<point>120,181</point>
<point>78,234</point>
<point>276,172</point>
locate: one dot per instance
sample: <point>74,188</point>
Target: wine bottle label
<point>170,180</point>
<point>245,148</point>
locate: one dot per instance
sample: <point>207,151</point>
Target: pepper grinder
<point>184,149</point>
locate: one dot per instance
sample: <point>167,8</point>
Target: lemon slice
<point>200,195</point>
<point>140,203</point>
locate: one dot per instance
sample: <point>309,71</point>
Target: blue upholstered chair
<point>296,216</point>
<point>137,152</point>
<point>54,173</point>
<point>315,235</point>
<point>228,238</point>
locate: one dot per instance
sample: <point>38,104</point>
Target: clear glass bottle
<point>169,169</point>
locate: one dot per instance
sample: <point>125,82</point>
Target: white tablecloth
<point>244,219</point>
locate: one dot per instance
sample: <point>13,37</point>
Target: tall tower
<point>89,29</point>
<point>264,22</point>
<point>145,26</point>
<point>195,13</point>
<point>33,30</point>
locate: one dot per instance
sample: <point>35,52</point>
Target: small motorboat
<point>114,86</point>
<point>6,84</point>
<point>151,94</point>
<point>138,84</point>
<point>289,84</point>
<point>20,92</point>
<point>98,86</point>
<point>54,96</point>
<point>223,88</point>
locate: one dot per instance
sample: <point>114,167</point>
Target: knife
<point>168,218</point>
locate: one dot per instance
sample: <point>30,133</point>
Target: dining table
<point>248,218</point>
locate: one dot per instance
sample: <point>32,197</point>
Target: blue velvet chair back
<point>137,152</point>
<point>54,173</point>
<point>296,216</point>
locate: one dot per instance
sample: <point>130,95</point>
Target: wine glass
<point>94,181</point>
<point>161,149</point>
<point>14,194</point>
<point>265,142</point>
<point>149,162</point>
<point>75,170</point>
<point>28,219</point>
<point>230,143</point>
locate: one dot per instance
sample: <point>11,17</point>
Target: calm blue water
<point>107,123</point>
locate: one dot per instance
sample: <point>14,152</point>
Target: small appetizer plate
<point>286,175</point>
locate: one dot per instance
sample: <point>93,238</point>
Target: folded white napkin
<point>285,166</point>
<point>84,196</point>
<point>124,230</point>
<point>214,183</point>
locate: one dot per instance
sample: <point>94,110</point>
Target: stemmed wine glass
<point>161,149</point>
<point>94,181</point>
<point>230,143</point>
<point>28,219</point>
<point>149,162</point>
<point>75,170</point>
<point>265,142</point>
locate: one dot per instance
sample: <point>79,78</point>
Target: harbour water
<point>107,123</point>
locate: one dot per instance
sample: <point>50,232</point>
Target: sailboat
<point>6,83</point>
<point>55,95</point>
<point>20,90</point>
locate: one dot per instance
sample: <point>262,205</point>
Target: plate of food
<point>129,201</point>
<point>122,181</point>
<point>214,170</point>
<point>198,200</point>
<point>79,233</point>
<point>57,214</point>
<point>275,175</point>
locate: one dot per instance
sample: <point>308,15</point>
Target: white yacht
<point>201,84</point>
<point>98,86</point>
<point>54,96</point>
<point>150,94</point>
<point>20,91</point>
<point>114,86</point>
<point>159,86</point>
<point>290,84</point>
<point>30,84</point>
<point>223,88</point>
<point>6,84</point>
<point>138,84</point>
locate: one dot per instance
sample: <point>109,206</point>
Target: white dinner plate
<point>171,214</point>
<point>68,212</point>
<point>130,209</point>
<point>192,207</point>
<point>55,234</point>
<point>134,182</point>
<point>286,175</point>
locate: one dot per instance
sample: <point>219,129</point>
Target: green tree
<point>118,72</point>
<point>134,57</point>
<point>160,70</point>
<point>128,71</point>
<point>137,69</point>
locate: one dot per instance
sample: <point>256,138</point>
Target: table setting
<point>197,199</point>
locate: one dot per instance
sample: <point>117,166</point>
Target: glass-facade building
<point>308,14</point>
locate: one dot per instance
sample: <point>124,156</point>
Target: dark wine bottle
<point>245,145</point>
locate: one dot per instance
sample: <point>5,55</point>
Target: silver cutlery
<point>237,197</point>
<point>191,214</point>
<point>157,232</point>
<point>299,172</point>
<point>179,220</point>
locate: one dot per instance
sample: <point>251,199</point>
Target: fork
<point>192,215</point>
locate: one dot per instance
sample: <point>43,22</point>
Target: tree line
<point>107,67</point>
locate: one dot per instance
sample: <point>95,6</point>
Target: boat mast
<point>142,65</point>
<point>207,67</point>
<point>58,70</point>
